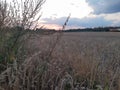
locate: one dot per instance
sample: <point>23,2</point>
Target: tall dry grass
<point>31,61</point>
<point>29,70</point>
<point>75,63</point>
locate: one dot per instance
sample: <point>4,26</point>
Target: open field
<point>91,55</point>
<point>74,61</point>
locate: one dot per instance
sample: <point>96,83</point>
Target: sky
<point>84,13</point>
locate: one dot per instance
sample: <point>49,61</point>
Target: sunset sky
<point>84,13</point>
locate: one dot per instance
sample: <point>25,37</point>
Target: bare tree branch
<point>20,13</point>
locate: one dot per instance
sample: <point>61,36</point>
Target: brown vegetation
<point>77,61</point>
<point>58,61</point>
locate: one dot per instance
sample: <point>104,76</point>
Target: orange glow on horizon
<point>51,26</point>
<point>58,27</point>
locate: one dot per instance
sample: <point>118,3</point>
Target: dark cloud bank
<point>104,6</point>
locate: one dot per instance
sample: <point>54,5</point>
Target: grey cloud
<point>104,6</point>
<point>84,22</point>
<point>90,22</point>
<point>59,21</point>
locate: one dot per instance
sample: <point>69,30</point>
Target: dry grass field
<point>75,61</point>
<point>34,58</point>
<point>94,57</point>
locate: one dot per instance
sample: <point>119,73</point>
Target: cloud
<point>104,6</point>
<point>58,21</point>
<point>62,8</point>
<point>112,17</point>
<point>83,22</point>
<point>115,18</point>
<point>90,22</point>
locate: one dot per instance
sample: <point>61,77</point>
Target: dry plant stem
<point>3,13</point>
<point>114,76</point>
<point>22,16</point>
<point>24,13</point>
<point>58,37</point>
